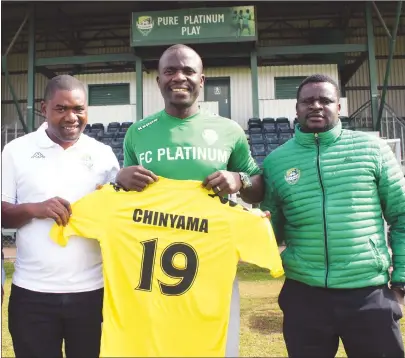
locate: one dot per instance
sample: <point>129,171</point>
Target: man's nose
<point>179,76</point>
<point>316,105</point>
<point>71,116</point>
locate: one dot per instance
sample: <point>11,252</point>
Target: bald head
<point>184,49</point>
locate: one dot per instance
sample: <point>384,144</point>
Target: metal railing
<point>392,126</point>
<point>15,130</point>
<point>362,118</point>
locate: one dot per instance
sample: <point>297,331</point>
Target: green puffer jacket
<point>327,194</point>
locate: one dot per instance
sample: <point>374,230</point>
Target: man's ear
<point>43,108</point>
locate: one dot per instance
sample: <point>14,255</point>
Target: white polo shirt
<point>35,169</point>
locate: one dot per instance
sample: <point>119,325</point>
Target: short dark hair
<point>318,78</point>
<point>62,83</point>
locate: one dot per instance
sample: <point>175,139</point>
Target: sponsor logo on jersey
<point>185,153</point>
<point>147,124</point>
<point>209,136</point>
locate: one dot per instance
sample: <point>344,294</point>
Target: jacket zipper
<point>323,209</point>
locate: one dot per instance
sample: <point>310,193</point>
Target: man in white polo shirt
<point>57,293</point>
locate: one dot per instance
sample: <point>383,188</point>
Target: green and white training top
<point>190,148</point>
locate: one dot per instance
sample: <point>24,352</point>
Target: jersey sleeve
<point>255,241</point>
<point>241,159</point>
<point>87,220</point>
<point>129,148</point>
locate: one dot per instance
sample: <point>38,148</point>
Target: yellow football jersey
<point>170,255</point>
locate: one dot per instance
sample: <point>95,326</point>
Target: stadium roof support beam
<point>372,66</point>
<point>255,83</point>
<point>7,75</point>
<point>139,87</point>
<point>14,39</point>
<point>381,19</point>
<point>393,39</point>
<point>350,69</point>
<point>81,60</point>
<point>31,71</point>
<point>310,49</point>
<point>13,94</point>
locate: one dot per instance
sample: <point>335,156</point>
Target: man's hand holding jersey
<point>135,177</point>
<point>223,182</point>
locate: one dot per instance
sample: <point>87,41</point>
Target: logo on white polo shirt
<point>38,155</point>
<point>87,160</point>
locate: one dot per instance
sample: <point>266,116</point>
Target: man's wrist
<point>246,182</point>
<point>30,209</point>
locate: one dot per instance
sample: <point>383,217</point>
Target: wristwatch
<point>245,179</point>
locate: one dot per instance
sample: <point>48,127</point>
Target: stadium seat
<point>93,135</point>
<point>269,125</point>
<point>284,137</point>
<point>126,124</point>
<point>117,143</point>
<point>121,156</point>
<point>113,127</point>
<point>98,128</point>
<point>258,149</point>
<point>255,129</point>
<point>121,134</point>
<point>254,121</point>
<point>87,129</point>
<point>121,163</point>
<point>117,152</point>
<point>108,135</point>
<point>107,140</point>
<point>256,138</point>
<point>271,147</point>
<point>255,125</point>
<point>259,160</point>
<point>123,130</point>
<point>283,124</point>
<point>271,138</point>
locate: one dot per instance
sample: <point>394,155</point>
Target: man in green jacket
<point>328,191</point>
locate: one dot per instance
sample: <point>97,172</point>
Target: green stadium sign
<point>205,25</point>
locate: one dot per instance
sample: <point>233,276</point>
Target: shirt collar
<point>325,138</point>
<point>45,142</point>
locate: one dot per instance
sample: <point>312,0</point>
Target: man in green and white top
<point>189,148</point>
<point>180,142</point>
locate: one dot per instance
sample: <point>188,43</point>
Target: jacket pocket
<point>380,260</point>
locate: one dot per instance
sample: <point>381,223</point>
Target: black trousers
<point>365,319</point>
<point>39,322</point>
